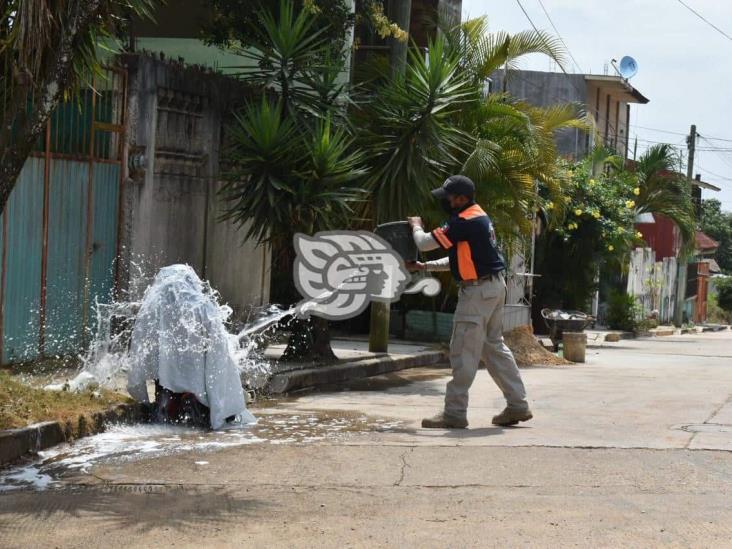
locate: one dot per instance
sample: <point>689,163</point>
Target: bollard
<point>379,327</point>
<point>574,344</point>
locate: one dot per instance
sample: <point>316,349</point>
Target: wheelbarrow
<point>559,321</point>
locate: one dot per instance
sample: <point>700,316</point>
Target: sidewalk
<point>354,362</point>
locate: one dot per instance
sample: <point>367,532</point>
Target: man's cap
<point>457,185</point>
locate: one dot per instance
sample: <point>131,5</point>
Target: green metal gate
<point>59,235</point>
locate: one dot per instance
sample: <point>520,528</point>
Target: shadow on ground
<point>139,508</point>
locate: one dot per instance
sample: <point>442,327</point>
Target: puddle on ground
<point>123,443</point>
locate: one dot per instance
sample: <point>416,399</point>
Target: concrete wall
<point>610,112</point>
<point>171,209</point>
<point>545,89</point>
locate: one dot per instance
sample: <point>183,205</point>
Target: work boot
<point>442,421</point>
<point>511,416</point>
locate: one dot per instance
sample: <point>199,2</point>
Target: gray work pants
<point>478,335</point>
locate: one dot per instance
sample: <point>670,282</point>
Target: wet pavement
<point>128,443</point>
<point>632,448</point>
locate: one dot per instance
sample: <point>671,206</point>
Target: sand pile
<point>528,351</point>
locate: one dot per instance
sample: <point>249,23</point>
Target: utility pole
<point>683,260</point>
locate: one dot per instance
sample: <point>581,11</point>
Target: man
<point>478,267</point>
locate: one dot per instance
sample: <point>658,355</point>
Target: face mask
<point>445,204</point>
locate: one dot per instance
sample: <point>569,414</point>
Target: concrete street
<point>633,448</point>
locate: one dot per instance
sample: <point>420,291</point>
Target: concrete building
<point>607,99</point>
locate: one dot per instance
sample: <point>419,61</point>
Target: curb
<point>349,371</point>
<point>16,443</point>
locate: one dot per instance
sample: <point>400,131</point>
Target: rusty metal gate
<point>59,234</point>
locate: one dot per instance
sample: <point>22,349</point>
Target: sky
<point>684,65</point>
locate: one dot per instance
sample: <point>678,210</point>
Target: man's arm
<point>442,264</point>
<point>425,241</point>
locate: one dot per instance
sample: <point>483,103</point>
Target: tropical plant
<point>236,23</point>
<point>435,121</point>
<point>292,167</point>
<point>661,189</point>
<point>409,135</point>
<point>623,312</point>
<point>47,51</point>
<point>591,226</point>
<point>482,52</point>
<point>724,293</point>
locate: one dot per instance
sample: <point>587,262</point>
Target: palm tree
<point>663,190</point>
<point>435,120</point>
<point>47,51</point>
<point>482,52</point>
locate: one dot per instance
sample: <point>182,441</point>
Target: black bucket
<point>399,235</point>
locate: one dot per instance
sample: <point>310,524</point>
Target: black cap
<point>458,185</point>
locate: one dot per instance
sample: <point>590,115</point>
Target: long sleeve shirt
<point>426,242</point>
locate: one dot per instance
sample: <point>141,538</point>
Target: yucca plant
<point>409,132</point>
<point>293,165</point>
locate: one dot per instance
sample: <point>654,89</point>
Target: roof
<point>713,266</point>
<point>704,185</point>
<point>618,84</point>
<point>704,242</point>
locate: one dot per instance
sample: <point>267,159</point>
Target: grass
<point>22,404</point>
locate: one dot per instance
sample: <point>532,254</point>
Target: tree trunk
<point>309,339</point>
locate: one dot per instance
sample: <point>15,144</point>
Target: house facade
<point>607,99</point>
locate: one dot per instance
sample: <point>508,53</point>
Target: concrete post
<point>379,327</point>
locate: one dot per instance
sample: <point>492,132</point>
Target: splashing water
<point>114,352</point>
<point>110,356</point>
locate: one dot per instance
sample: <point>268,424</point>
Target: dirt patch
<point>22,404</point>
<point>528,351</point>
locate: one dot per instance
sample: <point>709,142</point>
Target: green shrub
<point>715,313</point>
<point>622,312</point>
<point>724,293</point>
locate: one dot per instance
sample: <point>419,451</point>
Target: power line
<point>707,21</point>
<point>560,36</point>
<point>707,137</point>
<point>658,130</point>
<point>680,133</point>
<point>715,174</point>
<point>574,85</point>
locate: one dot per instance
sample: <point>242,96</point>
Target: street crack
<point>403,458</point>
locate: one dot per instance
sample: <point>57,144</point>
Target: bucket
<point>399,235</point>
<point>574,344</point>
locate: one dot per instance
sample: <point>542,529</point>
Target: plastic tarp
<point>180,339</point>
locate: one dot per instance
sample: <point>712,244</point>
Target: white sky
<point>685,66</point>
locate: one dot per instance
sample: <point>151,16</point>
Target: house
<point>664,246</point>
<point>606,98</point>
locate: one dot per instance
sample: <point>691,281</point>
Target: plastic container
<point>399,235</point>
<point>574,344</point>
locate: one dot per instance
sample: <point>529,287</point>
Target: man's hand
<point>415,222</point>
<point>413,266</point>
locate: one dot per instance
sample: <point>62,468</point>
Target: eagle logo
<point>339,272</point>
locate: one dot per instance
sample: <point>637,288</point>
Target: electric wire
<point>707,21</point>
<point>559,35</point>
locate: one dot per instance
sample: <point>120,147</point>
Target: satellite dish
<point>628,67</point>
